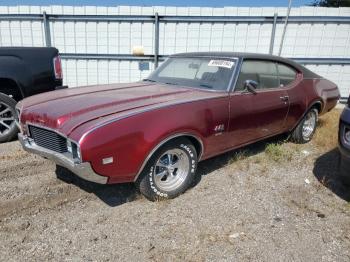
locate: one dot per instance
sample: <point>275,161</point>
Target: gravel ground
<point>244,207</point>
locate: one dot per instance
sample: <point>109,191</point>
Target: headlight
<point>74,150</point>
<point>69,147</point>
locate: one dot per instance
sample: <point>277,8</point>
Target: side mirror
<point>251,86</point>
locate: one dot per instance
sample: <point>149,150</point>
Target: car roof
<point>306,72</point>
<point>226,54</point>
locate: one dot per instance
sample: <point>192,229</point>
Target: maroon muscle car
<point>193,107</point>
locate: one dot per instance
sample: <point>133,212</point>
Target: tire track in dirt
<point>37,202</point>
<point>24,168</point>
<point>24,186</point>
<point>20,195</point>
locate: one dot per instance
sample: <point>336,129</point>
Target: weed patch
<point>278,153</point>
<point>238,156</point>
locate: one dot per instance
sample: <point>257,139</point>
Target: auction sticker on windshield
<point>221,63</point>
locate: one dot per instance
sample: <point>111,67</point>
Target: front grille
<point>48,139</point>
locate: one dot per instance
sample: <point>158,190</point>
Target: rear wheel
<point>169,172</point>
<point>8,127</point>
<point>305,130</point>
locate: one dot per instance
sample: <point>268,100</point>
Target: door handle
<point>284,98</point>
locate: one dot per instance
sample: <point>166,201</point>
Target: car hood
<point>66,109</point>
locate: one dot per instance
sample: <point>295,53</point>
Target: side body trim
<point>144,111</point>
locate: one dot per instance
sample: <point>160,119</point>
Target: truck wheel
<point>169,172</point>
<point>305,130</point>
<point>8,127</point>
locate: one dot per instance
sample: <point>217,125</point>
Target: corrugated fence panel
<point>79,72</point>
<point>303,40</point>
<point>339,74</point>
<point>239,37</point>
<point>315,40</point>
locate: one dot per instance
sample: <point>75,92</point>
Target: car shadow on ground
<point>326,170</point>
<point>118,194</point>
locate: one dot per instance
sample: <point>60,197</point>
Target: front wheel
<point>169,172</point>
<point>305,130</point>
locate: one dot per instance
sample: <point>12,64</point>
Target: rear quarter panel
<point>307,93</point>
<point>130,140</point>
<point>328,92</point>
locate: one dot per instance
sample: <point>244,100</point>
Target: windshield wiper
<point>149,80</point>
<point>207,86</point>
<point>175,84</point>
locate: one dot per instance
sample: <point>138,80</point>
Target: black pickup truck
<point>25,71</point>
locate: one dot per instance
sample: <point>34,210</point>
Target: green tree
<point>331,3</point>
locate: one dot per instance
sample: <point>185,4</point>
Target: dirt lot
<point>274,201</point>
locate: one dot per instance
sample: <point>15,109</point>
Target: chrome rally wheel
<point>309,125</point>
<point>170,171</point>
<point>306,128</point>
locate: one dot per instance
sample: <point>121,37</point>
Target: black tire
<point>7,134</point>
<point>146,183</point>
<point>297,135</point>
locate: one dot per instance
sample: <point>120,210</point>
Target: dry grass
<point>238,156</point>
<point>278,153</point>
<point>325,139</point>
<point>18,154</point>
<point>326,136</point>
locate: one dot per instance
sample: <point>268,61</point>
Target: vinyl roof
<point>306,72</point>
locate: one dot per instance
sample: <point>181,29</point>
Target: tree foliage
<point>331,3</point>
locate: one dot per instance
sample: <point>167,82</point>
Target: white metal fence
<point>96,42</point>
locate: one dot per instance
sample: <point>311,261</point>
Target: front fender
<point>132,140</point>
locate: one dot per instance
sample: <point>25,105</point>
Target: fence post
<point>47,29</point>
<point>273,32</point>
<point>156,40</point>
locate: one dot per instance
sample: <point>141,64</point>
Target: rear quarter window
<point>286,74</point>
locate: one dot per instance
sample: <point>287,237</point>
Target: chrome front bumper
<point>82,170</point>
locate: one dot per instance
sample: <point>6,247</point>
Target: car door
<point>259,114</point>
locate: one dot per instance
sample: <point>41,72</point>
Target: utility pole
<point>285,27</point>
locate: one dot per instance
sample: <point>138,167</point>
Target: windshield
<point>199,72</point>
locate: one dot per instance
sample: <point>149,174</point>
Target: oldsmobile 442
<point>193,107</point>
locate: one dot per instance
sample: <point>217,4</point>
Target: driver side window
<point>262,72</point>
